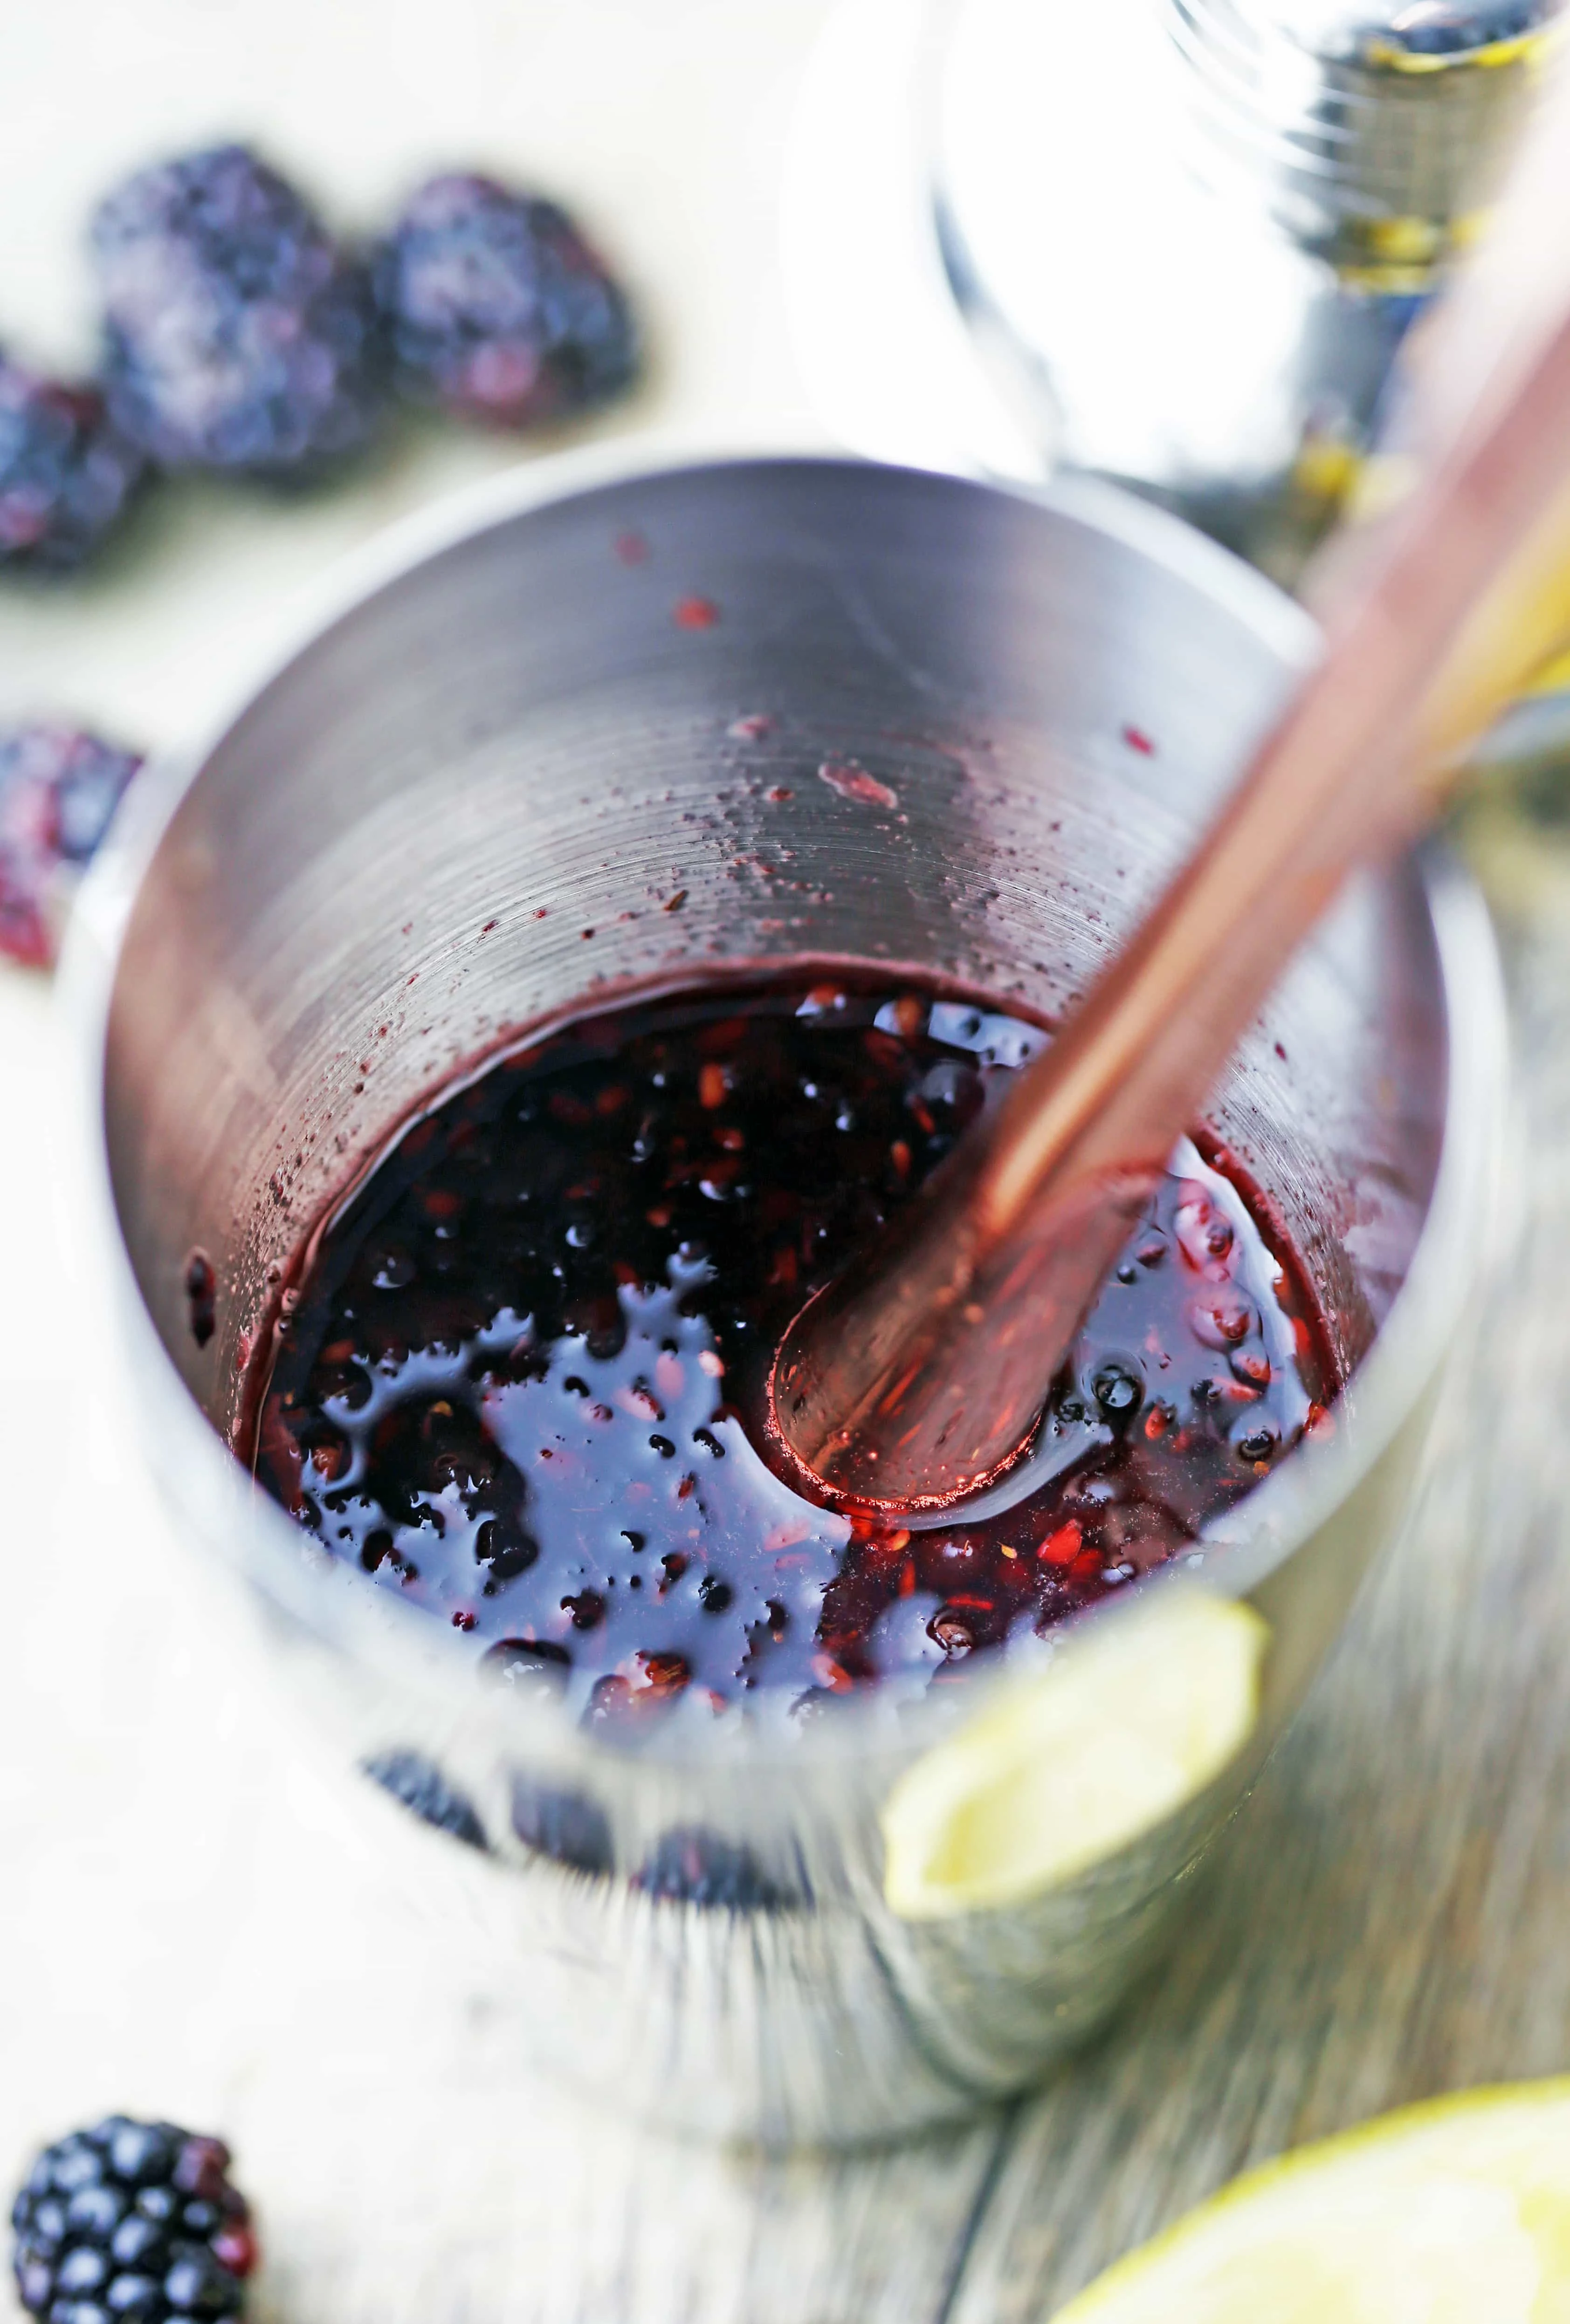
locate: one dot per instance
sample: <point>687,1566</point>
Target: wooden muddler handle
<point>920,1372</point>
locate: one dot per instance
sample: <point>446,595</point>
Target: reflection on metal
<point>1190,234</point>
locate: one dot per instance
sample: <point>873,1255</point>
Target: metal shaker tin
<point>496,714</point>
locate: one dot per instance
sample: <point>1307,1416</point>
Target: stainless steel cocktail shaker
<point>456,810</point>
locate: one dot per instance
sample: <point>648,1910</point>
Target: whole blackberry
<point>237,335</point>
<point>418,1783</point>
<point>58,790</point>
<point>66,472</point>
<point>496,308</point>
<point>134,2221</point>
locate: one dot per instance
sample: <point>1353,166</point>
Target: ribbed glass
<point>1374,128</point>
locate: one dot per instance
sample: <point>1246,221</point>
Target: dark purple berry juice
<point>521,1375</point>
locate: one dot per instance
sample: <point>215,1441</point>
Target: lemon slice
<point>1457,2212</point>
<point>1129,1719</point>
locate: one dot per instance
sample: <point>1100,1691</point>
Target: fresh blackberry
<point>565,1825</point>
<point>236,335</point>
<point>134,2221</point>
<point>58,790</point>
<point>66,472</point>
<point>418,1783</point>
<point>694,1866</point>
<point>496,308</point>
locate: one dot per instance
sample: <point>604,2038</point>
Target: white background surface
<point>661,122</point>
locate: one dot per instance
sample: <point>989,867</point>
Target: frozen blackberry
<point>496,308</point>
<point>136,2222</point>
<point>66,472</point>
<point>695,1867</point>
<point>418,1783</point>
<point>236,335</point>
<point>58,790</point>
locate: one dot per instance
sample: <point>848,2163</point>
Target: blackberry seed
<point>527,1665</point>
<point>1118,1389</point>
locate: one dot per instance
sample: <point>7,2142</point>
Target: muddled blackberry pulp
<point>522,1376</point>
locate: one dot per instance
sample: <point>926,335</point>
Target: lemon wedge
<point>1131,1719</point>
<point>1457,2212</point>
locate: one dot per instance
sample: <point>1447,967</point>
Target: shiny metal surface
<point>1371,126</point>
<point>289,946</point>
<point>1189,234</point>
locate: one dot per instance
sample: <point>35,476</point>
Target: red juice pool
<point>521,1377</point>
